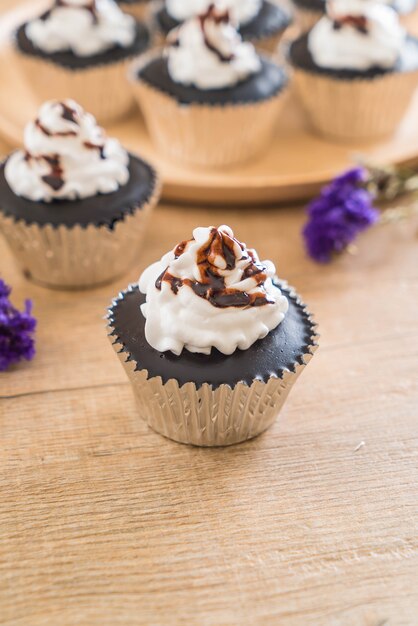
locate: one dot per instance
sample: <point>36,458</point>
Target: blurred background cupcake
<point>308,12</point>
<point>211,340</point>
<point>356,70</point>
<point>260,21</point>
<point>73,202</point>
<point>80,49</point>
<point>209,99</point>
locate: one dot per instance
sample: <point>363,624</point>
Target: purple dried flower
<point>16,330</point>
<point>338,215</point>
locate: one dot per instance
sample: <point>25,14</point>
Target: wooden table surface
<point>104,522</point>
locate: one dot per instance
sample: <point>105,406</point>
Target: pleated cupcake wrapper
<point>305,18</point>
<point>205,135</point>
<point>207,416</point>
<point>101,89</point>
<point>77,257</point>
<point>355,110</point>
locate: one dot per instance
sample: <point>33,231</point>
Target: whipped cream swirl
<point>210,292</point>
<point>84,27</point>
<point>66,156</point>
<point>357,35</point>
<point>207,52</point>
<point>241,11</point>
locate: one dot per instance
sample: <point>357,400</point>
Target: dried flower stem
<point>396,214</point>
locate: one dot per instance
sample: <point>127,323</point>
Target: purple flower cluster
<point>16,330</point>
<point>338,215</point>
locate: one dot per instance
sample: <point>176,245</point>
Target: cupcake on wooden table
<point>74,202</point>
<point>260,21</point>
<point>308,12</point>
<point>211,340</point>
<point>139,9</point>
<point>80,49</point>
<point>209,98</point>
<point>356,71</point>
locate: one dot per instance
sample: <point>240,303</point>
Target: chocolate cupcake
<point>73,202</point>
<point>356,73</point>
<point>211,340</point>
<point>209,99</point>
<point>80,49</point>
<point>260,21</point>
<point>308,12</point>
<point>139,9</point>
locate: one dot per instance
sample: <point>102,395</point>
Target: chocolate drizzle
<point>359,22</point>
<point>55,178</point>
<point>212,15</point>
<point>89,6</point>
<point>218,17</point>
<point>94,146</point>
<point>48,133</point>
<point>212,285</point>
<point>69,114</point>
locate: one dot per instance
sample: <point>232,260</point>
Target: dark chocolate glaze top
<point>71,61</point>
<point>122,2</point>
<point>266,83</point>
<point>300,57</point>
<point>271,20</point>
<point>311,5</point>
<point>281,350</point>
<point>319,5</point>
<point>100,210</point>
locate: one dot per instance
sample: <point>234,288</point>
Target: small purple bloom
<point>16,330</point>
<point>338,215</point>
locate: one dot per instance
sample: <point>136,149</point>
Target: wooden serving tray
<point>297,164</point>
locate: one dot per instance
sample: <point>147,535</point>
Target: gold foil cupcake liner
<point>101,89</point>
<point>357,109</point>
<point>205,135</point>
<point>207,416</point>
<point>77,257</point>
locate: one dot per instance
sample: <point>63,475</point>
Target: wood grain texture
<point>104,522</point>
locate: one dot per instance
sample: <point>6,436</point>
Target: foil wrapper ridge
<point>78,257</point>
<point>204,416</point>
